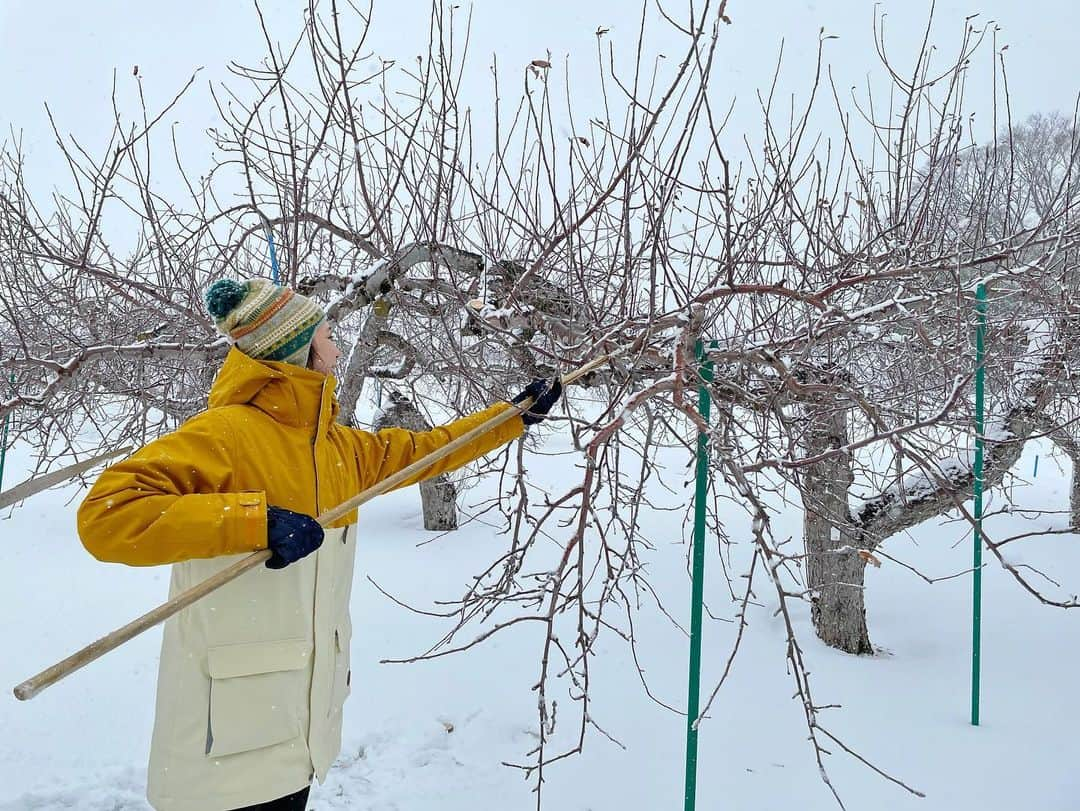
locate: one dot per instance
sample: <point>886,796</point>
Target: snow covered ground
<point>432,736</point>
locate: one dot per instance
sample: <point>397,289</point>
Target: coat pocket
<point>256,693</point>
<point>342,669</point>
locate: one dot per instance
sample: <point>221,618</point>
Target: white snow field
<point>432,736</point>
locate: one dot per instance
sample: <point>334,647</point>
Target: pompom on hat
<point>265,321</point>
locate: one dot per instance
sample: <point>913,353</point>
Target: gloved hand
<point>290,536</point>
<point>545,394</point>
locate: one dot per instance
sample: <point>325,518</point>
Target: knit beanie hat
<point>265,321</point>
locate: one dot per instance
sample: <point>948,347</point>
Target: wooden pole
<point>35,485</point>
<point>95,650</point>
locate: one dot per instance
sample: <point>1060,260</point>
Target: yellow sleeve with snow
<point>170,501</point>
<point>384,453</point>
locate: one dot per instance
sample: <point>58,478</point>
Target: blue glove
<point>290,536</point>
<point>545,394</point>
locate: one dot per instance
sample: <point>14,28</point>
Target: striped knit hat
<point>266,322</point>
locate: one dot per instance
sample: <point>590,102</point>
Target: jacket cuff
<point>245,524</point>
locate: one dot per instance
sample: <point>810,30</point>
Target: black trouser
<point>294,802</point>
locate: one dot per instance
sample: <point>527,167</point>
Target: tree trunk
<point>839,612</point>
<point>439,495</point>
<point>359,361</point>
<point>834,569</point>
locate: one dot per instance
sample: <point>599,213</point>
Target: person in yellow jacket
<point>253,677</point>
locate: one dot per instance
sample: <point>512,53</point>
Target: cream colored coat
<point>253,677</point>
<point>252,682</point>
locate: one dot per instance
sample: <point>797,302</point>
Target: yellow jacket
<point>253,677</point>
<point>268,437</point>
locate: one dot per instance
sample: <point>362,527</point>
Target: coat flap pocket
<point>246,659</point>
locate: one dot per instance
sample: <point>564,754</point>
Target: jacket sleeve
<point>384,453</point>
<point>172,501</point>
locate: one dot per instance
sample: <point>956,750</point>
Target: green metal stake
<point>976,610</point>
<point>3,438</point>
<point>693,702</point>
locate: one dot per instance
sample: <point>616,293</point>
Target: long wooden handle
<point>390,482</point>
<point>35,485</point>
<point>95,650</point>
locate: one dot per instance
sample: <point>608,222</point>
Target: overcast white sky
<point>64,52</point>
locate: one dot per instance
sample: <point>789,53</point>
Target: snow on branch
<point>358,290</point>
<point>65,373</point>
<point>942,485</point>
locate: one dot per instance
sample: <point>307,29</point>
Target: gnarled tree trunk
<point>835,535</point>
<point>439,496</point>
<point>834,569</point>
